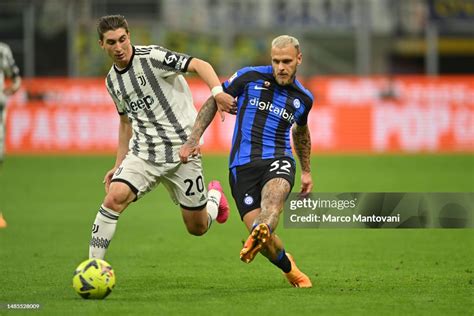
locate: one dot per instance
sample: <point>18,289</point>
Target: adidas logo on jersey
<point>140,104</point>
<point>268,106</point>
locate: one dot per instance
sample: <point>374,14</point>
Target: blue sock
<point>255,225</point>
<point>282,262</point>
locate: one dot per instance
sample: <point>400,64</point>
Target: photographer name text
<point>354,218</point>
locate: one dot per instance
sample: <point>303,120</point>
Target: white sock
<point>213,198</point>
<point>102,232</point>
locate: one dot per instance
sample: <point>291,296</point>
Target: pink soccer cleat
<point>223,212</point>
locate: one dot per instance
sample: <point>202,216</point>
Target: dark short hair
<point>111,23</point>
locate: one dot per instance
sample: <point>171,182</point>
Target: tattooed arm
<point>302,143</point>
<point>203,119</point>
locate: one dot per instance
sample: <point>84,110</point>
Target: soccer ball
<point>94,279</point>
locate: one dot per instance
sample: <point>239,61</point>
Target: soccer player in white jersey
<point>8,69</point>
<point>156,116</point>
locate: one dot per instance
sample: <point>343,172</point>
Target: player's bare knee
<point>116,201</point>
<point>119,196</point>
<point>197,229</point>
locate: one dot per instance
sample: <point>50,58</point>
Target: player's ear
<point>101,44</point>
<point>299,59</point>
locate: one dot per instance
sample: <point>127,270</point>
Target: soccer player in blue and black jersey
<point>270,103</point>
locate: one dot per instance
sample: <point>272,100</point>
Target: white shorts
<point>184,182</point>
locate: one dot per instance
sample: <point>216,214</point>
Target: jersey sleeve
<point>169,62</point>
<point>235,85</point>
<point>303,118</point>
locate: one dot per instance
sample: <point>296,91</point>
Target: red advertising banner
<point>402,114</point>
<point>350,115</point>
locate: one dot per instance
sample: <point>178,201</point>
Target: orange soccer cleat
<point>296,277</point>
<point>259,236</point>
<point>3,222</point>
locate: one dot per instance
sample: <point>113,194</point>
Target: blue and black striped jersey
<point>265,113</point>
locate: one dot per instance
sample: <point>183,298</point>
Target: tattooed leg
<point>274,194</point>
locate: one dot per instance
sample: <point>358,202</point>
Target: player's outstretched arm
<point>203,119</point>
<point>225,102</point>
<point>302,143</point>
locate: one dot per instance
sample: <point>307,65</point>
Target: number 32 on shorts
<point>193,185</point>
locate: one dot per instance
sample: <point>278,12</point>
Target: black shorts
<point>247,181</point>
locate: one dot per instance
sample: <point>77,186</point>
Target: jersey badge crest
<point>248,200</point>
<point>142,80</point>
<point>296,103</point>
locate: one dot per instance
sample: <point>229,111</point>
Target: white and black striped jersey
<point>8,68</point>
<point>154,94</point>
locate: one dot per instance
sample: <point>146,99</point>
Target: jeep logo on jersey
<point>268,106</point>
<point>140,104</point>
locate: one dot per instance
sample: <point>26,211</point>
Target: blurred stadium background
<point>388,76</point>
<point>394,111</point>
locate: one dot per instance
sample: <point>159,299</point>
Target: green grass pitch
<point>50,203</point>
